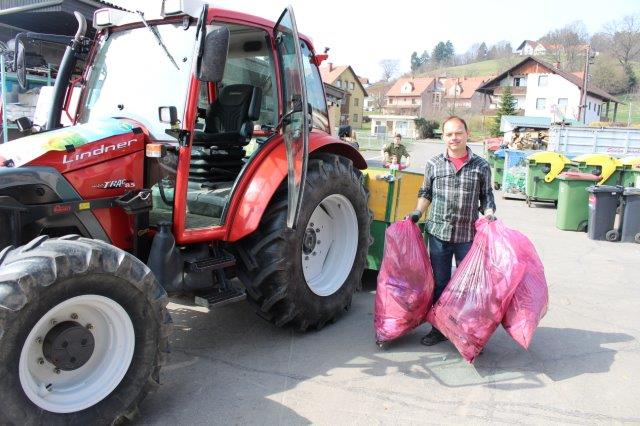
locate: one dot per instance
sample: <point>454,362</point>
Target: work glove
<point>490,217</point>
<point>414,216</point>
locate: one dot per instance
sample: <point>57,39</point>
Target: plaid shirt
<point>456,196</point>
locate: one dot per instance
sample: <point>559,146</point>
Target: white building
<point>542,90</point>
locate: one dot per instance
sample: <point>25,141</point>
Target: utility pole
<point>582,115</point>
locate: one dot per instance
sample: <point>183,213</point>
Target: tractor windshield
<point>131,76</point>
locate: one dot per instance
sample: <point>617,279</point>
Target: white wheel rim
<point>71,391</point>
<point>330,245</point>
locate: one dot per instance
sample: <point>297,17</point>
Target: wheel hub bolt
<point>40,361</point>
<point>53,322</point>
<point>317,229</point>
<point>306,258</point>
<point>39,340</point>
<point>311,224</point>
<point>89,326</point>
<point>318,242</point>
<point>74,316</point>
<point>56,370</point>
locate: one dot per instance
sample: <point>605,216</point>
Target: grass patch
<point>630,101</point>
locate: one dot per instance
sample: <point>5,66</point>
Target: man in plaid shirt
<point>457,186</point>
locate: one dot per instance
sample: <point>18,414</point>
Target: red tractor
<point>200,151</point>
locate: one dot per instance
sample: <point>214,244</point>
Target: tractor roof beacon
<point>199,149</point>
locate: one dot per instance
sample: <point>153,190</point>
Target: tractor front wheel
<point>306,276</point>
<point>83,328</point>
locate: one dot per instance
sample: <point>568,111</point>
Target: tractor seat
<point>229,120</point>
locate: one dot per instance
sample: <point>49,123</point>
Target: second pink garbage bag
<point>529,302</point>
<point>405,282</point>
<point>475,300</point>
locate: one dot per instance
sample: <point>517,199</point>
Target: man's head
<point>455,134</point>
<point>397,139</point>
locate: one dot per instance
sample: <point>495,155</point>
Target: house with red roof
<point>343,77</point>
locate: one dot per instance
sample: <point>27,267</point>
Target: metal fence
<point>369,142</point>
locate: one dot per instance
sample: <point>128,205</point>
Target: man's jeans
<point>441,254</point>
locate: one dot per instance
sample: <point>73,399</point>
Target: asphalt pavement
<point>230,367</point>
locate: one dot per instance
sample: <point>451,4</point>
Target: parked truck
<point>154,190</point>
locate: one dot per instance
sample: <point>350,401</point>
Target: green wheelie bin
<point>630,172</point>
<point>543,169</point>
<point>573,200</point>
<point>607,167</point>
<point>498,168</point>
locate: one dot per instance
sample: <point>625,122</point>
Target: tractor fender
<point>40,185</point>
<point>265,175</point>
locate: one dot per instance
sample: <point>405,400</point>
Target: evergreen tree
<point>424,57</point>
<point>449,50</point>
<point>482,52</point>
<point>507,106</point>
<point>439,53</point>
<point>631,77</point>
<point>415,61</point>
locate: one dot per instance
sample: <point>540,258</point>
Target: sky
<point>361,33</point>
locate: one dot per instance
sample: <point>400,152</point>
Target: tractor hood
<point>76,145</point>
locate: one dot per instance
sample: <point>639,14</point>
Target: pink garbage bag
<point>405,282</point>
<point>530,300</point>
<point>475,300</point>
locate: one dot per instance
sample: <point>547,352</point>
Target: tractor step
<point>216,297</point>
<point>210,264</point>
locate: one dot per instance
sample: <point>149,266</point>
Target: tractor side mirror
<point>24,124</point>
<point>19,63</point>
<point>214,55</point>
<point>169,115</point>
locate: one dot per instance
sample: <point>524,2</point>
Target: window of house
<point>355,118</point>
<point>356,101</point>
<point>352,85</point>
<point>315,90</point>
<point>541,103</point>
<point>542,80</point>
<point>599,108</point>
<point>413,100</point>
<point>589,107</point>
<point>519,81</point>
<point>338,83</point>
<point>390,101</point>
<point>562,104</point>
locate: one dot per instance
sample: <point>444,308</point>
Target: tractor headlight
<point>102,18</point>
<point>172,7</point>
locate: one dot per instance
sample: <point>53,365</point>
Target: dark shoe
<point>433,337</point>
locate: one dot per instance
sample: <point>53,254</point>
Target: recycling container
<point>497,169</point>
<point>542,170</point>
<point>573,200</point>
<point>630,172</point>
<point>603,204</point>
<point>608,167</point>
<point>631,216</point>
<point>514,178</point>
<point>393,195</point>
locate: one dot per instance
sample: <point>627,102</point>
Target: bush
<point>425,128</point>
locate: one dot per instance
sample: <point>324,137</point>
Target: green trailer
<point>391,197</point>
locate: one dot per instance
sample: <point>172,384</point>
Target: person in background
<point>396,149</point>
<point>456,187</point>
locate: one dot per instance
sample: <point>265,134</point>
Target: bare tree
<point>389,68</point>
<point>567,45</point>
<point>623,39</point>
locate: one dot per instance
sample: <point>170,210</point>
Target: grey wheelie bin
<point>631,216</point>
<point>603,204</point>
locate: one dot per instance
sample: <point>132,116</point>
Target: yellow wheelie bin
<point>630,172</point>
<point>608,167</point>
<point>543,169</point>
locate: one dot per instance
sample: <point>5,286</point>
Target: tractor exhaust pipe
<point>64,73</point>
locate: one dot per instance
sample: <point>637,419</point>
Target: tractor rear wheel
<point>83,331</point>
<point>306,277</point>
